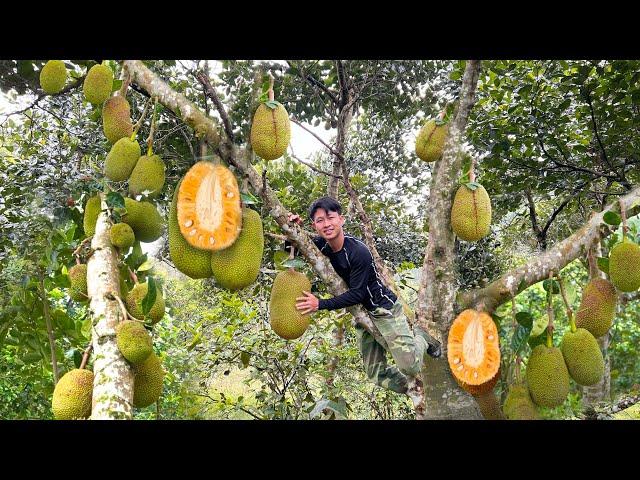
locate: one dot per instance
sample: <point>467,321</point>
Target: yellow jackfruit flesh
<point>134,342</point>
<point>598,307</point>
<point>144,219</point>
<point>98,84</point>
<point>134,303</point>
<point>471,213</point>
<point>78,279</point>
<point>430,141</point>
<point>91,212</point>
<point>518,404</point>
<point>148,176</point>
<point>122,159</point>
<point>624,266</point>
<point>147,382</point>
<point>238,266</point>
<point>285,319</point>
<point>116,119</point>
<point>547,376</point>
<point>72,395</point>
<point>122,236</point>
<point>583,357</point>
<point>270,131</point>
<point>191,261</point>
<point>53,76</point>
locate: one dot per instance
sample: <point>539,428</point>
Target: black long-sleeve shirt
<point>354,263</point>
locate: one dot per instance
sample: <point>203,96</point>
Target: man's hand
<point>308,303</point>
<point>293,218</point>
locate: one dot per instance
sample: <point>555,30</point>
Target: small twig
<point>566,303</point>
<point>472,169</point>
<point>623,214</point>
<point>76,252</point>
<point>334,152</point>
<point>126,80</point>
<point>141,119</point>
<point>85,356</point>
<point>550,327</point>
<point>316,169</point>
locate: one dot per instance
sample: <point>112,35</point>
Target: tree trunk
<point>113,378</point>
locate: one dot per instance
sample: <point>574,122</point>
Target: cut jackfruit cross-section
<point>209,211</point>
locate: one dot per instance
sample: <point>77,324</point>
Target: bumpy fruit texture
<point>72,395</point>
<point>624,266</point>
<point>78,279</point>
<point>238,266</point>
<point>122,236</point>
<point>122,159</point>
<point>518,404</point>
<point>91,211</point>
<point>116,119</point>
<point>53,76</point>
<point>598,307</point>
<point>547,376</point>
<point>209,212</point>
<point>147,382</point>
<point>144,219</point>
<point>430,141</point>
<point>286,320</point>
<point>134,303</point>
<point>473,351</point>
<point>583,357</point>
<point>147,176</point>
<point>471,213</point>
<point>270,132</point>
<point>133,341</point>
<point>98,84</point>
<point>191,261</point>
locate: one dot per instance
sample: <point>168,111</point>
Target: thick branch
<point>211,93</point>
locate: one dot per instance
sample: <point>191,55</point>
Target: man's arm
<point>357,279</point>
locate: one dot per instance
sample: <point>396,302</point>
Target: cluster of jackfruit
<point>72,395</point>
<point>270,130</point>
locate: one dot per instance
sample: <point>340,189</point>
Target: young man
<point>353,261</point>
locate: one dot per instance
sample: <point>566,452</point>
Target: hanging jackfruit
<point>270,131</point>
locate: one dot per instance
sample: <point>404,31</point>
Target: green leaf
<point>603,264</point>
<point>540,325</point>
<point>86,328</point>
<point>115,200</point>
<point>293,263</point>
<point>612,218</point>
<point>338,409</point>
<point>272,104</point>
<point>117,83</point>
<point>555,286</point>
<point>150,298</point>
<point>77,358</point>
<point>538,340</point>
<point>244,358</point>
<point>249,199</point>
<point>472,185</point>
<point>519,339</point>
<point>146,265</point>
<point>525,319</point>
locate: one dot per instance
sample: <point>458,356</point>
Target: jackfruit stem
<point>292,253</point>
<point>550,327</point>
<point>572,323</point>
<point>85,356</point>
<point>271,94</point>
<point>141,119</point>
<point>472,168</point>
<point>623,214</point>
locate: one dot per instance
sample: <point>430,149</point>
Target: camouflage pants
<point>407,351</point>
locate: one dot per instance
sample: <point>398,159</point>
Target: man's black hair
<point>329,204</point>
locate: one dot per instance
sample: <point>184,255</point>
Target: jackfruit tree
<point>503,215</point>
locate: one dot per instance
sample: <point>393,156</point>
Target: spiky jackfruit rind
<point>122,159</point>
<point>78,279</point>
<point>98,84</point>
<point>134,342</point>
<point>598,307</point>
<point>624,266</point>
<point>270,131</point>
<point>147,176</point>
<point>518,404</point>
<point>147,382</point>
<point>191,261</point>
<point>547,376</point>
<point>72,395</point>
<point>286,320</point>
<point>238,266</point>
<point>116,119</point>
<point>53,76</point>
<point>134,303</point>
<point>471,213</point>
<point>583,357</point>
<point>92,210</point>
<point>430,141</point>
<point>144,219</point>
<point>122,236</point>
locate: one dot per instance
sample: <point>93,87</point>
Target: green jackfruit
<point>122,236</point>
<point>116,119</point>
<point>147,382</point>
<point>191,261</point>
<point>134,303</point>
<point>91,211</point>
<point>430,141</point>
<point>518,404</point>
<point>72,395</point>
<point>147,176</point>
<point>53,76</point>
<point>98,84</point>
<point>133,341</point>
<point>270,131</point>
<point>547,376</point>
<point>286,320</point>
<point>624,266</point>
<point>598,307</point>
<point>583,357</point>
<point>122,159</point>
<point>471,213</point>
<point>144,219</point>
<point>78,279</point>
<point>238,266</point>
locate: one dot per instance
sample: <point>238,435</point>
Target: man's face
<point>327,224</point>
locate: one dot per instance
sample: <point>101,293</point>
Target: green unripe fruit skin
<point>430,141</point>
<point>78,279</point>
<point>471,213</point>
<point>624,266</point>
<point>122,236</point>
<point>134,303</point>
<point>286,320</point>
<point>598,307</point>
<point>98,84</point>
<point>53,76</point>
<point>270,132</point>
<point>144,219</point>
<point>518,404</point>
<point>134,342</point>
<point>116,119</point>
<point>583,357</point>
<point>147,382</point>
<point>547,376</point>
<point>122,159</point>
<point>72,395</point>
<point>147,176</point>
<point>91,212</point>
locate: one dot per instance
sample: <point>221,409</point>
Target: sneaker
<point>434,349</point>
